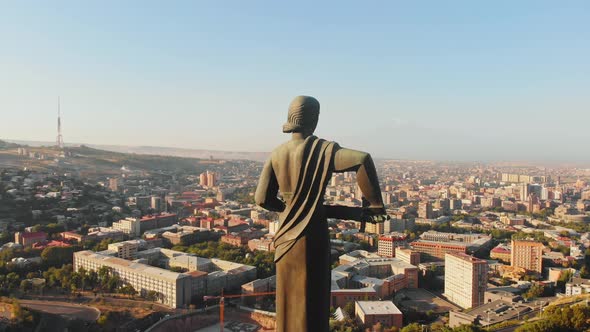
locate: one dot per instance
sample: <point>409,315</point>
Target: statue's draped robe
<point>303,245</point>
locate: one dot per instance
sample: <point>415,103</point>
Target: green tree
<point>535,291</point>
<point>56,256</point>
<point>414,327</point>
<point>349,309</point>
<point>468,328</point>
<point>25,285</point>
<point>127,289</point>
<point>152,295</point>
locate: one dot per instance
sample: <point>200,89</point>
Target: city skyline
<point>462,82</point>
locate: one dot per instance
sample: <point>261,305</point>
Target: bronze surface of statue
<point>301,169</point>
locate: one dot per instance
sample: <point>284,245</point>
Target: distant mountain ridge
<point>163,151</point>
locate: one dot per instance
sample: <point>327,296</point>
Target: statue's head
<point>304,112</point>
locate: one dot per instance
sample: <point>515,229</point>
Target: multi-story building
<point>273,227</point>
<point>114,184</point>
<point>158,204</point>
<point>236,240</point>
<point>129,226</point>
<point>143,203</point>
<point>456,204</point>
<point>187,236</point>
<point>387,244</point>
<point>211,179</point>
<point>425,210</point>
<point>376,228</point>
<point>125,250</point>
<point>434,245</point>
<point>27,239</point>
<point>156,221</point>
<point>173,289</point>
<point>466,278</point>
<point>577,286</point>
<point>408,255</point>
<point>501,252</point>
<point>369,277</point>
<point>512,221</point>
<point>258,286</point>
<point>203,276</point>
<point>263,244</point>
<point>370,313</point>
<point>527,254</point>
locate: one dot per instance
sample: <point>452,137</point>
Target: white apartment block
<point>174,289</point>
<point>466,278</point>
<point>130,226</point>
<point>202,276</point>
<point>125,250</point>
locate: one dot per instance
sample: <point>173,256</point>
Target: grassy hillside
<point>89,161</point>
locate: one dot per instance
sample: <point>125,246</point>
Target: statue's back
<point>286,162</point>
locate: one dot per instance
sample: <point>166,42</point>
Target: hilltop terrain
<point>162,151</point>
<point>87,160</point>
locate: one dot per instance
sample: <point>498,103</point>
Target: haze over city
<point>383,166</point>
<point>444,81</point>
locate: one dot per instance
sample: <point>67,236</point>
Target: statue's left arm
<point>267,190</point>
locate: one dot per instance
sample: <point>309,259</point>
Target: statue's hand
<point>375,215</point>
<point>378,218</point>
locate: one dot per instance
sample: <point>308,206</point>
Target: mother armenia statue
<point>300,170</point>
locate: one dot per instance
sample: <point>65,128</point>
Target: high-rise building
<point>527,254</point>
<point>203,179</point>
<point>544,193</point>
<point>158,204</point>
<point>211,179</point>
<point>425,210</point>
<point>466,278</point>
<point>444,205</point>
<point>114,184</point>
<point>456,204</point>
<point>524,191</point>
<point>387,197</point>
<point>143,203</point>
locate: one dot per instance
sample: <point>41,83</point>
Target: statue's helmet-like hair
<point>303,115</point>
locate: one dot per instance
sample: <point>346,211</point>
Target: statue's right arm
<point>346,160</point>
<point>267,190</point>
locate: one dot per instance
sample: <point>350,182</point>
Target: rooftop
<point>138,267</point>
<point>27,235</point>
<point>466,257</point>
<point>378,308</point>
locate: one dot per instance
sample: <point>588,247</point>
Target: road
<point>66,309</point>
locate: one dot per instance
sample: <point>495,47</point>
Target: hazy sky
<point>467,80</point>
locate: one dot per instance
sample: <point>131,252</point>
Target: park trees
<point>57,256</point>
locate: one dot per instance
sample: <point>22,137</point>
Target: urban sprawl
<point>467,243</point>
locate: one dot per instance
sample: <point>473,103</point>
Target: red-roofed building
<point>387,244</point>
<point>53,243</point>
<point>501,252</point>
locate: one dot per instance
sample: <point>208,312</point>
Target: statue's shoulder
<point>330,144</point>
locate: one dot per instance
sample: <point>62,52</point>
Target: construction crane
<point>222,298</point>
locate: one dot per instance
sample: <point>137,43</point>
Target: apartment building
<point>466,278</point>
